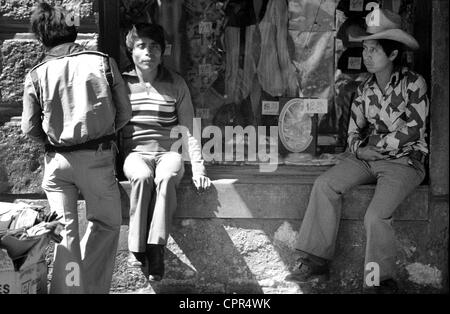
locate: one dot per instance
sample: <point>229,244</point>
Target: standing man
<point>74,102</point>
<point>161,104</point>
<point>387,146</point>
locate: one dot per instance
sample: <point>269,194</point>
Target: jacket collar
<point>63,50</point>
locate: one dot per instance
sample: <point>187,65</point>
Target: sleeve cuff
<point>198,168</point>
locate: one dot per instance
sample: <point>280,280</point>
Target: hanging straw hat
<point>383,24</point>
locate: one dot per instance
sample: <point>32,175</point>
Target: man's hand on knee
<point>201,182</point>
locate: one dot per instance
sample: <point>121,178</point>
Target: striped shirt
<point>156,110</point>
<point>152,108</point>
<point>394,120</point>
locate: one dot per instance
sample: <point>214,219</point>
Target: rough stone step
<point>282,195</point>
<point>239,236</point>
<point>250,255</point>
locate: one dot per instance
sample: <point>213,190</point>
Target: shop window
<point>245,61</point>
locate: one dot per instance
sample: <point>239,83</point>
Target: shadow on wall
<point>204,251</point>
<point>200,257</point>
<point>210,254</point>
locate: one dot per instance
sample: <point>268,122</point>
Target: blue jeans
<point>395,180</point>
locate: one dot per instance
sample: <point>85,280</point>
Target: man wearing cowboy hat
<point>387,146</point>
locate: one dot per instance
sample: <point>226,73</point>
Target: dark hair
<point>389,46</point>
<point>49,26</point>
<point>148,30</point>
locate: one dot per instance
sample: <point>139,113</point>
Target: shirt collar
<point>395,78</point>
<point>162,76</point>
<point>63,50</point>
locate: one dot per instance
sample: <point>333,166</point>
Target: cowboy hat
<point>383,24</point>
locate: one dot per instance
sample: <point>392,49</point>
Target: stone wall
<point>19,51</point>
<point>20,10</point>
<point>21,161</point>
<point>18,57</point>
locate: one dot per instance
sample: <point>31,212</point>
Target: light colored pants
<point>86,266</point>
<point>395,179</point>
<point>154,178</point>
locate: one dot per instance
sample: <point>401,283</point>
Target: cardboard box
<point>28,280</point>
<point>30,277</point>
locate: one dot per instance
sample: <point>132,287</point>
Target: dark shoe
<point>308,271</point>
<point>154,278</point>
<point>136,259</point>
<point>155,257</point>
<point>387,286</point>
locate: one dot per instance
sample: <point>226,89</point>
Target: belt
<point>105,142</point>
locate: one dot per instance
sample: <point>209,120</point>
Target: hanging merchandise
<point>203,55</point>
<point>170,15</point>
<point>392,5</point>
<point>311,29</point>
<point>243,13</point>
<point>406,11</point>
<point>311,15</point>
<point>240,67</point>
<point>314,54</point>
<point>242,40</point>
<point>357,8</point>
<point>232,43</point>
<point>276,72</point>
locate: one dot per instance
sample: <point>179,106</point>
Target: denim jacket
<point>67,99</point>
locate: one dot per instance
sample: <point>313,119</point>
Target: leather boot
<point>155,257</point>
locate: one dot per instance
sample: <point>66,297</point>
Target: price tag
<point>409,57</point>
<point>205,28</point>
<point>202,113</point>
<point>205,69</point>
<point>270,108</point>
<point>319,106</point>
<point>356,5</point>
<point>168,50</point>
<point>354,63</point>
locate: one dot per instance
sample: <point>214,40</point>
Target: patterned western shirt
<point>394,120</point>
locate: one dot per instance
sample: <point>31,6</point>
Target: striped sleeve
<point>185,111</point>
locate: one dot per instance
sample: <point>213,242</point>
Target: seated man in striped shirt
<point>160,102</point>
